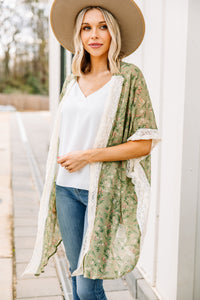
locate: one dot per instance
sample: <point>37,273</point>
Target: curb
<point>138,286</point>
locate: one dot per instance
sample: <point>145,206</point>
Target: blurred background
<point>23,50</point>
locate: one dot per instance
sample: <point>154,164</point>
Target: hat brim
<point>128,15</point>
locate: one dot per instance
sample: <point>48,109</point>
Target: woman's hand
<point>74,161</point>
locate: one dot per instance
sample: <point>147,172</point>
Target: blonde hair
<point>81,61</point>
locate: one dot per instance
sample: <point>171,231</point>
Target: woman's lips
<point>95,45</point>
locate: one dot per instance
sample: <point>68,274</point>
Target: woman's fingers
<point>65,164</point>
<point>73,161</point>
<point>76,166</point>
<point>61,159</point>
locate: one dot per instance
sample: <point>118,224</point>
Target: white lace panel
<point>51,165</point>
<point>136,173</point>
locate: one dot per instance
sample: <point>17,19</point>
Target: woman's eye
<point>104,27</point>
<point>86,28</point>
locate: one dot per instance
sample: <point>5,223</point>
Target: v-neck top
<point>80,119</point>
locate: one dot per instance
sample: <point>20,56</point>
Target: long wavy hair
<point>81,63</point>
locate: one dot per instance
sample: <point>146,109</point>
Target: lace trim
<point>146,134</point>
<point>139,179</point>
<point>51,165</point>
<point>95,168</point>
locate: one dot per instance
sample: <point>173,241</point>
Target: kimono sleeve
<point>143,118</point>
<point>143,127</point>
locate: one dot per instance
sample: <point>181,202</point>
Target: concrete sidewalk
<point>26,205</point>
<point>6,253</point>
<point>15,166</point>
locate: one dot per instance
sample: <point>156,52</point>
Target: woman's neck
<point>98,64</point>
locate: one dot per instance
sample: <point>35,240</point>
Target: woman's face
<point>95,35</point>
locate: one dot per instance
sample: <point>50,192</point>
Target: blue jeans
<point>71,205</point>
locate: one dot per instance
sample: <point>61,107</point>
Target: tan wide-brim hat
<point>129,17</point>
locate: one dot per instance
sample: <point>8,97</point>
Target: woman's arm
<point>76,160</point>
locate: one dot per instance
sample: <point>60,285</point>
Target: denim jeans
<point>71,205</point>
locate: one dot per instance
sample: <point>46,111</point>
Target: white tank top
<point>80,119</point>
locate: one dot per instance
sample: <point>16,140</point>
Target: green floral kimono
<point>118,202</point>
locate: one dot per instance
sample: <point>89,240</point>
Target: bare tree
<point>8,32</point>
<point>24,41</point>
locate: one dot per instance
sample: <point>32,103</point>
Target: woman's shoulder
<point>128,69</point>
<point>69,78</point>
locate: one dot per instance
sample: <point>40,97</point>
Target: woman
<point>104,132</point>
